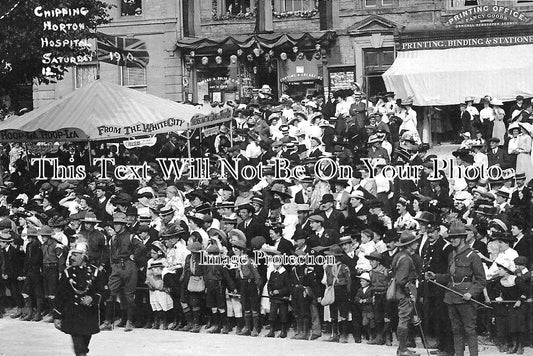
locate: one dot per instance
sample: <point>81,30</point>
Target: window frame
<point>78,66</point>
<point>124,69</point>
<point>379,4</point>
<point>450,5</point>
<point>312,4</point>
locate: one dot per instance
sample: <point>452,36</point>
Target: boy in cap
<point>379,280</point>
<point>32,290</point>
<point>249,283</point>
<point>278,291</point>
<point>193,282</point>
<point>338,275</point>
<point>365,298</point>
<point>54,262</point>
<point>12,259</point>
<point>216,279</point>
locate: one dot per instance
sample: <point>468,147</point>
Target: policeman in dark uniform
<point>125,248</point>
<point>405,275</point>
<point>466,276</point>
<point>80,291</point>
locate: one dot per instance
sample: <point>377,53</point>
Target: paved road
<point>30,338</point>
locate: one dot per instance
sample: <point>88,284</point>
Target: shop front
<point>477,52</point>
<point>233,67</point>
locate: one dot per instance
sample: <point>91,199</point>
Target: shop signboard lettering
<point>300,75</point>
<point>487,16</point>
<point>467,42</point>
<point>142,142</point>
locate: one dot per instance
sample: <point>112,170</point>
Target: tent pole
<point>27,156</point>
<point>90,154</point>
<point>231,132</point>
<point>189,135</point>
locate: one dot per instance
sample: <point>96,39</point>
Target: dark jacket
<point>76,282</point>
<point>279,280</point>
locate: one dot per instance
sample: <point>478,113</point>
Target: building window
<point>235,7</point>
<point>131,7</point>
<point>376,62</point>
<point>459,4</point>
<point>134,77</point>
<point>85,74</point>
<point>295,5</point>
<point>378,3</point>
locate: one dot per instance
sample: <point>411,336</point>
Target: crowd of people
<point>411,257</point>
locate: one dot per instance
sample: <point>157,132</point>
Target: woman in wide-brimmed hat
<point>520,145</point>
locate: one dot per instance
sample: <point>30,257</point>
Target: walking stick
<point>419,324</point>
<point>459,294</point>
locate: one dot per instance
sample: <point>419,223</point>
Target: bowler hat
<point>426,217</point>
<point>327,198</point>
<point>248,207</point>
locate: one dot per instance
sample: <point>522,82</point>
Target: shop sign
<point>211,131</point>
<point>199,120</point>
<point>142,142</point>
<point>40,135</point>
<point>467,42</point>
<point>487,16</point>
<point>300,75</point>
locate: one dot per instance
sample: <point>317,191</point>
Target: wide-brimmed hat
<point>496,102</point>
<point>407,237</point>
<point>365,276</point>
<point>194,247</point>
<point>172,230</point>
<point>334,250</point>
<point>426,217</point>
<point>358,194</point>
<point>57,221</point>
<point>239,244</point>
<point>374,256</point>
<point>120,218</point>
<point>503,236</point>
<point>457,230</point>
<point>408,101</point>
<point>46,231</point>
<point>375,138</point>
<point>247,206</point>
<point>90,218</point>
<point>5,236</point>
<point>198,218</point>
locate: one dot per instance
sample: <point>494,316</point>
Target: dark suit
<point>253,229</point>
<point>328,238</point>
<point>523,247</point>
<point>334,221</point>
<point>299,198</point>
<point>285,246</point>
<point>500,157</point>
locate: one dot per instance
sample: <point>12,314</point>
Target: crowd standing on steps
<point>123,254</point>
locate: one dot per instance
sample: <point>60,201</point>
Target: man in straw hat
<point>81,289</point>
<point>467,277</point>
<point>124,249</point>
<point>405,275</point>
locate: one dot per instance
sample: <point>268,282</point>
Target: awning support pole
<point>189,135</point>
<point>90,153</point>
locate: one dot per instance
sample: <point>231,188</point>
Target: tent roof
<point>98,111</point>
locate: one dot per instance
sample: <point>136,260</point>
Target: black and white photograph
<point>236,177</point>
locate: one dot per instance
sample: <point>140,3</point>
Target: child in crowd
<point>160,300</point>
<point>278,290</point>
<point>365,298</point>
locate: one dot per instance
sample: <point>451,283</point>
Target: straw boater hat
<point>90,218</point>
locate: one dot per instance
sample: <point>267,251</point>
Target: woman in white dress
<point>498,130</point>
<point>523,151</point>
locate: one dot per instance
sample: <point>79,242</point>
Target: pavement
<point>18,338</point>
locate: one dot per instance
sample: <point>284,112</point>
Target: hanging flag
<point>122,51</point>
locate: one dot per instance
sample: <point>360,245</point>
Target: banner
<point>167,125</point>
<point>40,135</point>
<point>122,51</point>
<point>142,142</point>
<point>466,42</point>
<point>222,116</point>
